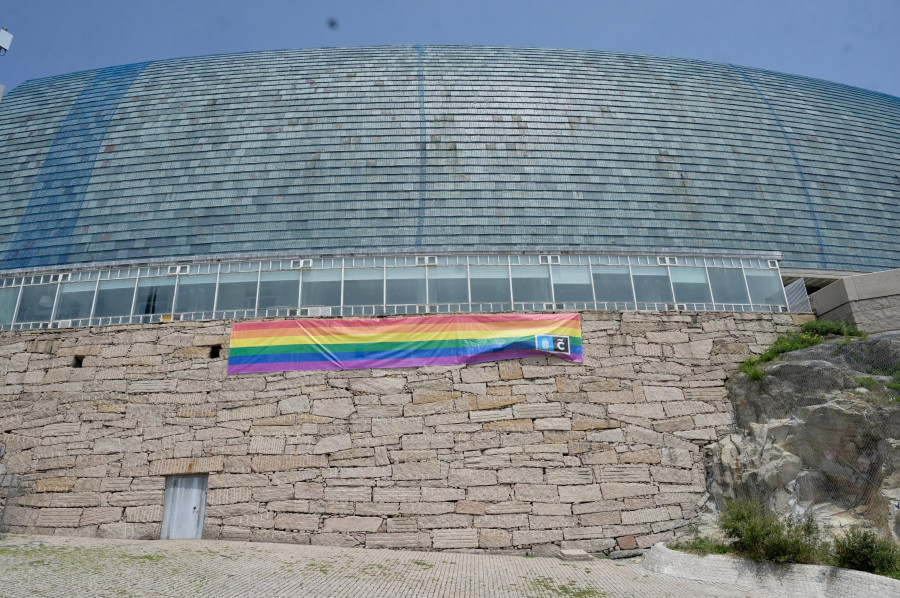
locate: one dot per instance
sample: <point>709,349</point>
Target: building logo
<point>552,344</point>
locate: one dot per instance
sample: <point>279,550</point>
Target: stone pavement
<point>72,567</point>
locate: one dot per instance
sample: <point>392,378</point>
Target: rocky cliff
<point>820,431</point>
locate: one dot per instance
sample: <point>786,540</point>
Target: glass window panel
<point>195,293</point>
<point>531,283</point>
<point>279,289</point>
<point>364,286</point>
<point>765,287</point>
<point>37,303</point>
<point>405,286</point>
<point>613,284</point>
<point>728,285</point>
<point>448,285</point>
<point>237,291</point>
<point>75,301</point>
<point>321,288</point>
<point>490,284</point>
<point>154,295</point>
<point>572,283</point>
<point>8,298</point>
<point>690,285</point>
<point>114,298</point>
<point>651,284</point>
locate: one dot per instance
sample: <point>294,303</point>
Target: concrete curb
<point>799,580</point>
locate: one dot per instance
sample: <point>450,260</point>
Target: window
<point>37,303</point>
<point>448,284</point>
<point>114,298</point>
<point>573,283</point>
<point>690,285</point>
<point>154,295</point>
<point>651,284</point>
<point>612,284</point>
<point>75,301</point>
<point>490,284</point>
<point>405,286</point>
<point>237,291</point>
<point>279,289</point>
<point>364,286</point>
<point>195,293</point>
<point>531,283</point>
<point>8,298</point>
<point>321,288</point>
<point>728,285</point>
<point>765,287</point>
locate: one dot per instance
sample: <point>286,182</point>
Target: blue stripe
<point>44,236</point>
<point>809,201</point>
<point>423,150</point>
<point>527,345</point>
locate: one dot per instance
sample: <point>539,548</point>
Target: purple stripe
<point>361,364</point>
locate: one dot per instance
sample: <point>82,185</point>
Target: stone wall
<point>871,302</point>
<point>529,454</point>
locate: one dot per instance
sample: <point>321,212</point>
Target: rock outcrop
<point>820,431</point>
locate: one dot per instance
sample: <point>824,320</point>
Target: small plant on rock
<point>866,550</point>
<point>761,535</point>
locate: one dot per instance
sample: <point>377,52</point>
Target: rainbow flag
<point>352,344</point>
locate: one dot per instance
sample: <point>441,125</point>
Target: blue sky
<point>849,41</point>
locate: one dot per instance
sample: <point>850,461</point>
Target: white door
<point>184,507</point>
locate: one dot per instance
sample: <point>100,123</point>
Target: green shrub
<point>791,342</point>
<point>894,384</point>
<point>761,535</point>
<point>702,545</point>
<point>823,327</point>
<point>867,383</point>
<point>749,368</point>
<point>866,550</point>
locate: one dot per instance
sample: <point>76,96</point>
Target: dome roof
<point>419,148</point>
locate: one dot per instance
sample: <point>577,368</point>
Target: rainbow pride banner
<point>353,344</point>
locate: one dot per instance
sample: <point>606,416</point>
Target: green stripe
<point>383,346</point>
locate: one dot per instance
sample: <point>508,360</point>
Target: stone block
<point>152,386</point>
<point>570,476</point>
<point>618,490</point>
<point>339,408</point>
<point>397,426</point>
<point>99,515</point>
<point>480,374</point>
<point>298,404</point>
<point>378,386</point>
<point>75,499</point>
<point>398,495</point>
<point>54,518</point>
<point>429,395</point>
<point>349,494</point>
<point>498,401</point>
<point>187,465</point>
<point>287,462</point>
<point>455,538</point>
<point>536,493</point>
<point>537,410</point>
<point>400,540</point>
<point>426,441</point>
<point>270,493</point>
<point>136,498</point>
<point>520,475</point>
<point>463,478</point>
<point>624,473</point>
<point>297,521</point>
<point>352,524</point>
<point>144,514</point>
<point>579,494</point>
<point>119,444</point>
<point>247,413</point>
<point>528,538</point>
<point>490,415</point>
<point>227,496</point>
<point>61,484</point>
<point>267,445</point>
<point>420,470</point>
<point>510,425</point>
<point>553,423</point>
<point>64,429</point>
<point>332,444</point>
<point>645,516</point>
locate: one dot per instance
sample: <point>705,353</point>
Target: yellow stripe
<point>331,339</point>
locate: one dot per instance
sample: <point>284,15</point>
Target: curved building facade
<point>332,159</point>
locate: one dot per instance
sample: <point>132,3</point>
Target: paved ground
<point>72,567</point>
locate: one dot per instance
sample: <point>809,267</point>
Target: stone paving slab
<point>64,566</point>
